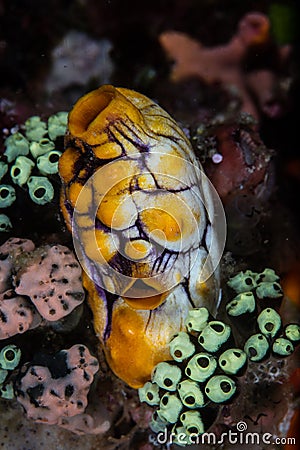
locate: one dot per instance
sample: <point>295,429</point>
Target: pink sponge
<point>17,315</point>
<point>12,248</point>
<point>49,394</point>
<point>51,278</point>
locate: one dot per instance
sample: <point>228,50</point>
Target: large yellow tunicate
<point>134,197</point>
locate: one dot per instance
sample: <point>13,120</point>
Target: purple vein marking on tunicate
<point>69,208</point>
<point>141,147</point>
<point>185,284</point>
<point>160,260</point>
<point>107,297</point>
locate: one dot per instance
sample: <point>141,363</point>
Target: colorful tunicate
<point>41,147</point>
<point>269,322</point>
<point>232,361</point>
<point>40,190</point>
<point>57,125</point>
<point>149,393</point>
<point>129,165</point>
<point>292,332</point>
<point>191,394</point>
<point>21,170</point>
<point>36,153</point>
<point>10,357</point>
<point>181,347</point>
<point>197,319</point>
<point>16,145</point>
<point>242,282</point>
<point>5,223</point>
<point>243,303</point>
<point>166,376</point>
<point>201,366</point>
<point>282,347</point>
<point>214,335</point>
<point>35,128</point>
<point>48,163</point>
<point>3,169</point>
<point>220,388</point>
<point>7,195</point>
<point>256,347</point>
<point>269,290</point>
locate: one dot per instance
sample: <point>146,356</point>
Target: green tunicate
<point>181,347</point>
<point>190,394</point>
<point>3,169</point>
<point>169,408</point>
<point>48,163</point>
<point>268,275</point>
<point>41,148</point>
<point>179,436</point>
<point>269,322</point>
<point>3,375</point>
<point>201,366</point>
<point>149,393</point>
<point>269,290</point>
<point>241,304</point>
<point>214,335</point>
<point>232,361</point>
<point>157,424</point>
<point>292,332</point>
<point>40,190</point>
<point>282,347</point>
<point>197,319</point>
<point>10,357</point>
<point>220,388</point>
<point>57,124</point>
<point>35,128</point>
<point>256,347</point>
<point>7,195</point>
<point>21,170</point>
<point>166,375</point>
<point>7,391</point>
<point>16,145</point>
<point>243,281</point>
<point>192,422</point>
<point>5,223</point>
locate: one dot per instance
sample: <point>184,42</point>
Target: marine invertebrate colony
<point>36,284</point>
<point>142,215</point>
<point>207,364</point>
<point>29,159</point>
<point>224,63</point>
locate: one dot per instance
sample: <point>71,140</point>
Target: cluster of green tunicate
<point>206,363</point>
<point>252,288</point>
<point>9,359</point>
<point>264,284</point>
<point>30,157</point>
<point>202,375</point>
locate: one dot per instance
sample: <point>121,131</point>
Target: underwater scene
<point>149,225</point>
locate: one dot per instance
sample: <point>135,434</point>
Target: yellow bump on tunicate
<point>130,353</point>
<point>73,193</point>
<point>138,249</point>
<point>117,211</point>
<point>99,246</point>
<point>94,112</point>
<point>146,181</point>
<point>67,163</point>
<point>157,221</point>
